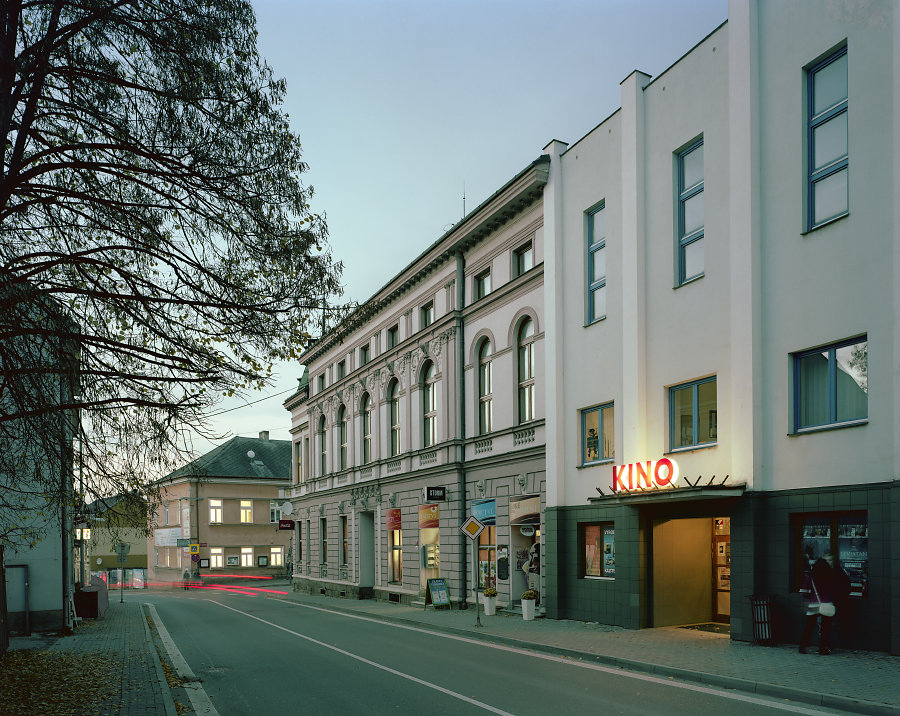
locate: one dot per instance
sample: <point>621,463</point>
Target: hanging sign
<point>436,494</point>
<point>285,524</point>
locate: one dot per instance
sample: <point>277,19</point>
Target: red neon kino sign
<point>646,475</point>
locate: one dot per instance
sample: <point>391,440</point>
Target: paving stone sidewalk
<point>851,681</point>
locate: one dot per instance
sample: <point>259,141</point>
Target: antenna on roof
<point>464,200</point>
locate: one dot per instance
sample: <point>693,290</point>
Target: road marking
<point>792,706</point>
<point>409,677</point>
<point>199,699</point>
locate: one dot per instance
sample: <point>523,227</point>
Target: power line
<point>254,402</point>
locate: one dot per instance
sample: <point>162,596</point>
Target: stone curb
<point>168,700</point>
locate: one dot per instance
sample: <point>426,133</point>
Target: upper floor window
<point>393,336</point>
<point>427,313</point>
<point>323,448</point>
<point>394,409</point>
<point>596,263</point>
<point>343,420</point>
<point>363,355</point>
<point>429,406</point>
<point>215,510</point>
<point>693,417</point>
<point>597,434</point>
<point>341,369</point>
<point>827,152</point>
<point>274,511</point>
<point>366,415</point>
<point>523,259</point>
<point>526,370</point>
<point>831,385</point>
<point>298,460</point>
<point>246,511</point>
<point>691,215</point>
<point>482,284</point>
<point>321,382</point>
<point>485,388</point>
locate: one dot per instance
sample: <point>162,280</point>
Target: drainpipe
<point>461,423</point>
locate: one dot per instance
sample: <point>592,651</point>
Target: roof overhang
<point>672,494</point>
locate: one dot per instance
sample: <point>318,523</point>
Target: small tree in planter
<point>490,601</point>
<point>529,598</point>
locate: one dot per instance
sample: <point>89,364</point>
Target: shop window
<point>845,535</point>
<point>300,541</point>
<point>345,541</point>
<point>598,550</point>
<point>396,556</point>
<point>597,434</point>
<point>323,540</point>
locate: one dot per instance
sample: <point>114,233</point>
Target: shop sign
<point>429,516</point>
<point>525,510</point>
<point>647,475</point>
<point>485,511</point>
<point>437,494</point>
<point>285,524</point>
<point>393,519</point>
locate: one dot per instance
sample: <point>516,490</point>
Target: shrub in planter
<point>529,594</point>
<point>490,592</point>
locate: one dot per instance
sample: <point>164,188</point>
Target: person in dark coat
<point>818,587</point>
<point>841,601</point>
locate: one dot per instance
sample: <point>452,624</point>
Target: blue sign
<point>485,511</point>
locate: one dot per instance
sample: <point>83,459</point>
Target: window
<point>216,557</point>
<point>308,541</point>
<point>276,556</point>
<point>246,556</point>
<point>366,411</point>
<point>487,557</point>
<point>526,370</point>
<point>597,544</point>
<point>691,215</point>
<point>363,355</point>
<point>393,336</point>
<point>323,448</point>
<point>345,541</point>
<point>598,438</point>
<point>215,510</point>
<point>341,369</point>
<point>321,382</point>
<point>396,556</point>
<point>485,389</point>
<point>274,511</point>
<point>246,511</point>
<point>429,406</point>
<point>343,420</point>
<point>596,264</point>
<point>827,152</point>
<point>482,284</point>
<point>323,540</point>
<point>166,513</point>
<point>394,407</point>
<point>298,460</point>
<point>427,314</point>
<point>523,259</point>
<point>300,554</point>
<point>844,534</point>
<point>692,414</point>
<point>831,385</point>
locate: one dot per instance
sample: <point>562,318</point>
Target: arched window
<point>366,414</point>
<point>323,448</point>
<point>485,388</point>
<point>525,376</point>
<point>429,406</point>
<point>342,437</point>
<point>394,407</point>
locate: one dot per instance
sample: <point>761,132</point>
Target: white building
<point>424,406</point>
<point>721,277</point>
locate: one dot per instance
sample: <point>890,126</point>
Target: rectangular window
<point>308,542</point>
<point>345,541</point>
<point>482,284</point>
<point>216,557</point>
<point>156,556</point>
<point>276,557</point>
<point>393,336</point>
<point>165,513</point>
<point>298,460</point>
<point>598,550</point>
<point>323,540</point>
<point>246,556</point>
<point>396,575</point>
<point>691,214</point>
<point>487,557</point>
<point>845,535</point>
<point>246,511</point>
<point>427,314</point>
<point>831,385</point>
<point>215,510</point>
<point>693,418</point>
<point>598,438</point>
<point>826,143</point>
<point>300,554</point>
<point>274,511</point>
<point>363,355</point>
<point>321,382</point>
<point>523,259</point>
<point>341,369</point>
<point>596,264</point>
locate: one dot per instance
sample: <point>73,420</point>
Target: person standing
<point>818,588</point>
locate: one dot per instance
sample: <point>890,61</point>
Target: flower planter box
<point>490,605</point>
<point>528,609</point>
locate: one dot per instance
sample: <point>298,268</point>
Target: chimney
<point>264,435</point>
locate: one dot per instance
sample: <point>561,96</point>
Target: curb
<point>168,701</point>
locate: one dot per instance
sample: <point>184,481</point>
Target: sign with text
<point>285,524</point>
<point>393,519</point>
<point>646,475</point>
<point>429,516</point>
<point>438,593</point>
<point>437,494</point>
<point>525,510</point>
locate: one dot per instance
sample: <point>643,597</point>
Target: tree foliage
<point>153,226</point>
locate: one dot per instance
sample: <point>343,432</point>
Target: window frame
<point>274,512</point>
<point>683,195</point>
<point>485,388</point>
<point>247,552</point>
<point>394,417</point>
<point>695,412</point>
<point>605,527</point>
<point>246,512</point>
<point>365,412</point>
<point>396,563</point>
<point>594,245</point>
<point>481,284</point>
<point>276,556</point>
<point>833,422</point>
<point>345,541</point>
<point>601,436</point>
<point>426,314</point>
<point>392,338</point>
<point>323,447</point>
<point>525,379</point>
<point>323,540</point>
<point>519,254</point>
<point>429,405</point>
<point>342,369</point>
<point>218,509</point>
<point>343,436</point>
<point>217,554</point>
<point>364,354</point>
<point>834,518</point>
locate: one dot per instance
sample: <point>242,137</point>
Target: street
<point>259,655</point>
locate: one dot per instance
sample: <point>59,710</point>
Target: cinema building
<point>721,278</point>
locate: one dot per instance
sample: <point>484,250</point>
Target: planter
<point>490,605</point>
<point>528,609</point>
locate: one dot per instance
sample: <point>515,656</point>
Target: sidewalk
<point>853,681</point>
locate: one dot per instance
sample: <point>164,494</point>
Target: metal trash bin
<point>761,609</point>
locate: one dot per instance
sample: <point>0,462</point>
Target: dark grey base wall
<point>41,621</point>
<point>763,562</point>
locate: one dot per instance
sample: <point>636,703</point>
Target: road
<point>257,655</point>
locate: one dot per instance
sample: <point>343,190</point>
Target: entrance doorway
<point>366,553</point>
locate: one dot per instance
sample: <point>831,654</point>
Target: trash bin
<point>761,609</point>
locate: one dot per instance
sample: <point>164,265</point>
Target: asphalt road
<point>256,655</point>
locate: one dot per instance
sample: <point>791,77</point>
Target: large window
<point>363,355</point>
<point>427,314</point>
<point>247,511</point>
<point>323,540</point>
<point>845,535</point>
<point>691,215</point>
<point>693,417</point>
<point>393,336</point>
<point>323,448</point>
<point>216,557</point>
<point>366,414</point>
<point>598,437</point>
<point>396,545</point>
<point>298,460</point>
<point>274,511</point>
<point>394,409</point>
<point>246,556</point>
<point>598,550</point>
<point>827,146</point>
<point>429,406</point>
<point>482,284</point>
<point>485,389</point>
<point>523,259</point>
<point>526,370</point>
<point>343,420</point>
<point>345,541</point>
<point>276,557</point>
<point>831,385</point>
<point>341,369</point>
<point>215,510</point>
<point>596,264</point>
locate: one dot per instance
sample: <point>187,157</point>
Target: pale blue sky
<point>401,104</point>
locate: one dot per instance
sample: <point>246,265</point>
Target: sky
<point>403,107</point>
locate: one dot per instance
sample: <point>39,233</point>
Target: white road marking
<point>454,694</point>
<point>792,706</point>
<point>199,699</point>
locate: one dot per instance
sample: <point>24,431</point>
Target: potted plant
<point>489,598</point>
<point>529,597</point>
